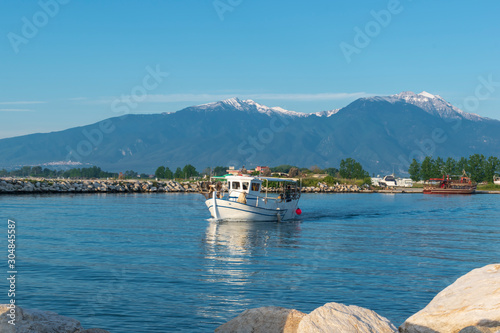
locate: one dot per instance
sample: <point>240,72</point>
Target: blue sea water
<point>154,263</point>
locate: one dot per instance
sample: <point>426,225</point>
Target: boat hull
<point>449,191</point>
<point>234,211</point>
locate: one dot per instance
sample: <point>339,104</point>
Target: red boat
<point>447,185</point>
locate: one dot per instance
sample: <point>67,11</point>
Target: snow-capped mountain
<point>433,104</point>
<point>327,114</point>
<point>246,105</point>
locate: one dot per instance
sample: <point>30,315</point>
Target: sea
<point>157,263</point>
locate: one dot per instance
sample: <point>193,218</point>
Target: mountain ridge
<point>381,132</point>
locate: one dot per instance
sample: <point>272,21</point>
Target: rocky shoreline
<point>469,305</point>
<point>47,186</point>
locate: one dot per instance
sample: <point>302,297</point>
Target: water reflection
<point>241,239</point>
<point>240,258</point>
<point>231,246</point>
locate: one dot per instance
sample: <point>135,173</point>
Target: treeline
<point>477,166</point>
<point>187,172</point>
<point>38,171</point>
<point>348,169</point>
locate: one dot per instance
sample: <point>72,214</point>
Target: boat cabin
<point>236,185</point>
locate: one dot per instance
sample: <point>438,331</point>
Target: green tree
<point>189,171</point>
<point>36,171</point>
<point>350,169</point>
<point>332,171</point>
<point>168,173</point>
<point>438,167</point>
<point>219,171</point>
<point>178,173</point>
<point>476,167</point>
<point>450,166</point>
<point>491,167</point>
<point>160,172</point>
<point>25,171</point>
<point>130,174</point>
<point>414,170</point>
<point>426,168</point>
<point>462,164</point>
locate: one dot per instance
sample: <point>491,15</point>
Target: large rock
<point>31,321</point>
<point>335,317</point>
<point>270,319</point>
<point>480,329</point>
<point>37,321</point>
<point>472,300</point>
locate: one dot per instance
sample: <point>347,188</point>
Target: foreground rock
<point>471,304</point>
<point>28,321</point>
<point>331,317</point>
<point>335,317</point>
<point>264,320</point>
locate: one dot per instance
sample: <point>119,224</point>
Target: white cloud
<point>15,110</point>
<point>22,102</point>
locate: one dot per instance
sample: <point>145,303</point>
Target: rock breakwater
<point>34,185</point>
<point>43,185</point>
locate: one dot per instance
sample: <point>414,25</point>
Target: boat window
<point>245,186</point>
<point>236,185</point>
<point>255,187</point>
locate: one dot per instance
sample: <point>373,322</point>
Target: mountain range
<point>384,133</point>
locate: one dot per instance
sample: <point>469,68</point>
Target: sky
<point>68,63</point>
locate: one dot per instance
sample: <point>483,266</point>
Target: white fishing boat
<point>241,199</point>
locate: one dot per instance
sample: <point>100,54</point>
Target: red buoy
<point>298,211</point>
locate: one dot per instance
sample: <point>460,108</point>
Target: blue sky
<point>83,57</point>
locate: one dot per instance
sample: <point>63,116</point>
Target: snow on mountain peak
<point>250,105</point>
<point>426,94</point>
<point>432,104</point>
<point>326,114</point>
<point>235,102</point>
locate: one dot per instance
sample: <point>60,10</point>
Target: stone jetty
<point>42,185</point>
<point>337,188</point>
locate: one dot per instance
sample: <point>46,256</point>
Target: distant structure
<point>391,181</point>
